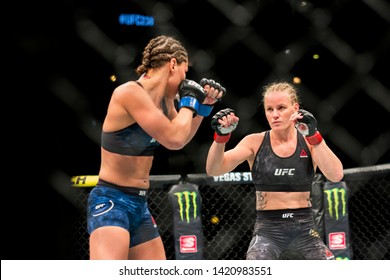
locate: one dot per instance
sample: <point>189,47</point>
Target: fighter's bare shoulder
<point>253,140</point>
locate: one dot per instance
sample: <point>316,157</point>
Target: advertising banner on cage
<point>336,220</point>
<point>187,221</point>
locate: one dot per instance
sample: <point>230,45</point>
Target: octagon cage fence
<point>228,212</point>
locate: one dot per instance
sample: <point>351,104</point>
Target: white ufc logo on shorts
<point>287,215</point>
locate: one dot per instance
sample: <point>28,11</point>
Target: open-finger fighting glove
<point>191,95</point>
<point>213,84</point>
<point>222,134</point>
<point>307,126</point>
<point>205,109</point>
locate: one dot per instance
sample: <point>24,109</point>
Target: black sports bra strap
<point>139,84</point>
<point>163,104</point>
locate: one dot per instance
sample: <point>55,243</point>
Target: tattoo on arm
<point>261,200</point>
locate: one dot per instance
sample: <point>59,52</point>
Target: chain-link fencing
<point>228,213</point>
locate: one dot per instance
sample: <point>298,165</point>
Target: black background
<point>63,53</point>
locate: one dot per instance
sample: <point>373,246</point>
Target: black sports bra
<point>131,140</point>
<point>272,173</point>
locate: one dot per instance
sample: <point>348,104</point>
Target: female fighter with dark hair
<point>142,115</point>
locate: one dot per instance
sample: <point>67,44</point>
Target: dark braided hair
<point>159,51</point>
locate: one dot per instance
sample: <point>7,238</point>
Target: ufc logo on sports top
<point>337,241</point>
<point>287,215</point>
<point>284,171</point>
<point>188,244</point>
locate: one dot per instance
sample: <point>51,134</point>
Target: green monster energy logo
<point>335,197</point>
<point>185,199</point>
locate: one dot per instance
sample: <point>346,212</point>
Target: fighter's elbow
<point>337,176</point>
<point>212,172</point>
<point>173,144</point>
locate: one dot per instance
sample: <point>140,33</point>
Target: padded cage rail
<point>228,212</point>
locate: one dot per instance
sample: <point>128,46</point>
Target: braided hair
<point>159,51</point>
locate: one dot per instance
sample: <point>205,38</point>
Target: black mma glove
<point>213,84</point>
<point>222,134</point>
<point>307,126</point>
<point>191,95</point>
<point>205,109</point>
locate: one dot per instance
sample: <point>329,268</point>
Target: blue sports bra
<point>131,140</point>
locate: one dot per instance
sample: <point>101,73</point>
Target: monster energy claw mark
<point>185,197</point>
<point>336,194</point>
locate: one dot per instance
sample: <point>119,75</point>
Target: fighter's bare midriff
<point>132,171</point>
<point>282,200</point>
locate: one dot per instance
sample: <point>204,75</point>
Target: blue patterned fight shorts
<point>126,207</point>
